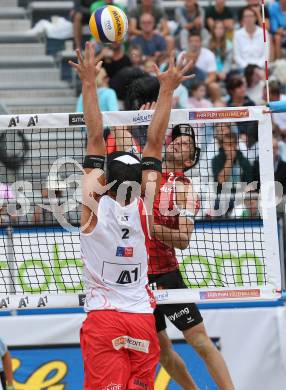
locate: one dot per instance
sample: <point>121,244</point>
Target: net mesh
<point>40,172</point>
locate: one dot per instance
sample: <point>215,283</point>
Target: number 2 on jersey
<point>125,234</point>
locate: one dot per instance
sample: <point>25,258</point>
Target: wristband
<point>187,214</point>
<point>94,162</point>
<point>151,163</point>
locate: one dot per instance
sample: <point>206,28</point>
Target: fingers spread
<point>182,60</point>
<point>156,70</point>
<point>74,65</point>
<point>172,60</point>
<point>87,51</point>
<point>187,67</point>
<point>99,66</point>
<point>189,77</point>
<point>79,56</point>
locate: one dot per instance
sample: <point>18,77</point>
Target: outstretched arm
<point>94,179</point>
<point>88,70</point>
<point>169,81</point>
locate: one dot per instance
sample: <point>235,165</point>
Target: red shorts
<point>120,351</point>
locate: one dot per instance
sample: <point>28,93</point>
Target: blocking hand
<point>87,68</point>
<point>175,74</point>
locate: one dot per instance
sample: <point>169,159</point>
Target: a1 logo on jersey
<point>122,218</point>
<point>124,251</point>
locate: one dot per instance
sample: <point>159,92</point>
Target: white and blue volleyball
<point>108,24</point>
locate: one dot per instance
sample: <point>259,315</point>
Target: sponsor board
<point>250,293</point>
<point>222,114</point>
<point>142,117</point>
<point>50,260</point>
<point>76,120</point>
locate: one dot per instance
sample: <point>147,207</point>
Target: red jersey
<point>162,258</point>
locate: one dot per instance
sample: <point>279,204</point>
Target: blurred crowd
<point>228,53</point>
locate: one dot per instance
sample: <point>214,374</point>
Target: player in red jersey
<point>174,231</point>
<point>118,338</point>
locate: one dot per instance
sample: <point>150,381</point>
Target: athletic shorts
<point>184,316</point>
<point>120,351</point>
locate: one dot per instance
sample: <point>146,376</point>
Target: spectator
<point>190,19</point>
<point>51,200</point>
<point>255,82</point>
<point>80,15</point>
<point>136,56</point>
<point>277,11</point>
<point>106,96</point>
<point>279,166</point>
<point>206,59</point>
<point>222,49</point>
<point>219,11</point>
<point>147,7</point>
<point>213,143</point>
<point>229,165</point>
<point>180,96</point>
<point>198,96</point>
<point>236,88</point>
<point>6,372</point>
<point>279,119</point>
<point>6,195</point>
<point>249,207</point>
<point>248,140</point>
<point>199,73</point>
<point>256,6</point>
<point>248,44</point>
<point>101,3</point>
<point>114,59</point>
<point>152,44</point>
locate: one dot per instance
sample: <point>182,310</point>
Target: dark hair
<point>275,87</point>
<point>123,78</point>
<point>195,33</point>
<point>247,8</point>
<point>234,82</point>
<point>143,90</point>
<point>249,72</point>
<point>196,85</point>
<point>213,42</point>
<point>181,130</point>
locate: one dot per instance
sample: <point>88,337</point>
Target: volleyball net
<point>233,252</point>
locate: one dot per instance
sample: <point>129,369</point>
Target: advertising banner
<point>219,255</point>
<point>251,340</point>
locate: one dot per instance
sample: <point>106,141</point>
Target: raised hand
<point>175,74</point>
<point>87,68</point>
<point>148,106</point>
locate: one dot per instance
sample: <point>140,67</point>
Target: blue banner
<point>61,368</point>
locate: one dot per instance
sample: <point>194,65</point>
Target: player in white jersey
<point>118,338</point>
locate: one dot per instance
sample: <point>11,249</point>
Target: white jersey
<point>115,258</point>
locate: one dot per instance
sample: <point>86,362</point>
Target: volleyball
<point>108,24</point>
